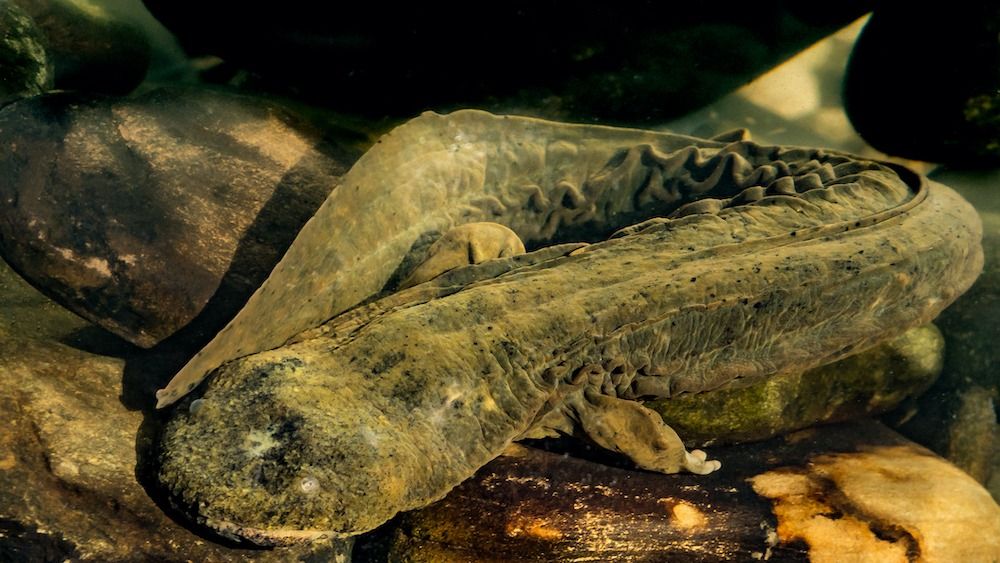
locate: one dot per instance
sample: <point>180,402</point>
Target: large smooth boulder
<point>135,212</point>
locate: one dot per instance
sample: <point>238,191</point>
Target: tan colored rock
<point>883,503</point>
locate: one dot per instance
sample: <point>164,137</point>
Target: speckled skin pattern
<point>765,260</point>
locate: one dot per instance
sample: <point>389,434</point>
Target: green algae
<point>871,382</point>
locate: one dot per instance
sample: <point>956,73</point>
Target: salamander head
<point>245,464</point>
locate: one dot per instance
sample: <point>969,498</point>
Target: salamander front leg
<point>471,243</point>
<point>629,428</point>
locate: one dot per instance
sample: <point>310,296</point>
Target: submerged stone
<point>868,383</point>
<point>923,82</point>
<point>25,68</point>
<point>93,47</point>
<point>134,213</point>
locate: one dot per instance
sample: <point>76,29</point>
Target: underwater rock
<point>25,312</point>
<point>924,82</point>
<point>973,432</point>
<point>25,68</point>
<point>868,383</point>
<point>595,61</point>
<point>69,466</point>
<point>134,212</point>
<point>93,47</point>
<point>855,491</point>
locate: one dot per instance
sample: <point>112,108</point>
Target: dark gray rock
<point>25,68</point>
<point>135,212</point>
<point>92,46</point>
<point>923,82</point>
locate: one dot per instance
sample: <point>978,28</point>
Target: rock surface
<point>25,312</point>
<point>845,492</point>
<point>871,382</point>
<point>923,82</point>
<point>92,46</point>
<point>25,68</point>
<point>135,212</point>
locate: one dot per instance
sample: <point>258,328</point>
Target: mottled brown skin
<point>802,257</point>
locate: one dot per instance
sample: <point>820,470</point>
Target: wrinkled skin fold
<point>731,262</point>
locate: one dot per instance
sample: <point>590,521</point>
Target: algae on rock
<point>25,67</point>
<point>868,383</point>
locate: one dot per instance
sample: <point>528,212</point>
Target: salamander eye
<point>309,485</point>
<point>196,405</point>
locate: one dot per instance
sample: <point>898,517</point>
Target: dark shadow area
<point>595,62</point>
<point>20,543</point>
<point>375,546</point>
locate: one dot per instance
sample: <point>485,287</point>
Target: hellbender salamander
<point>731,262</point>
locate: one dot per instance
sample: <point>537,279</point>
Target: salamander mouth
<point>268,537</point>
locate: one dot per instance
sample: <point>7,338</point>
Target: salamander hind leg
<point>629,428</point>
<point>471,243</point>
